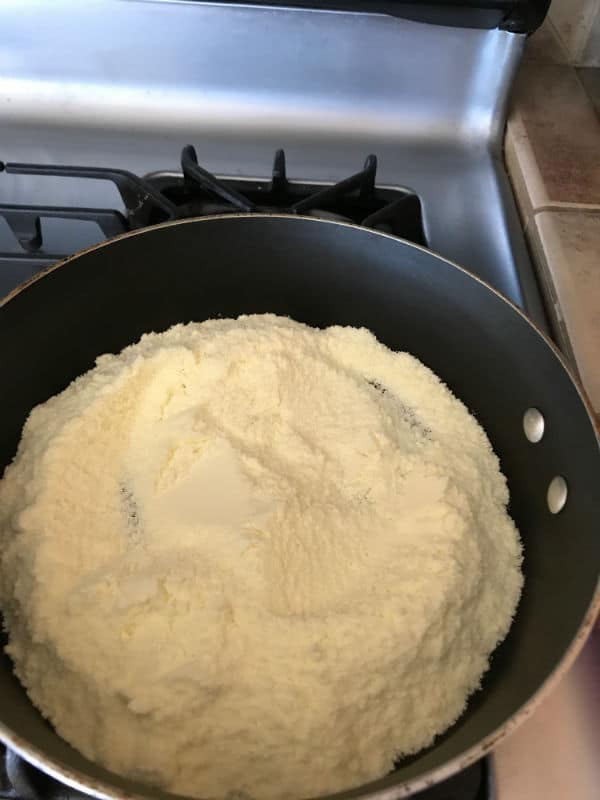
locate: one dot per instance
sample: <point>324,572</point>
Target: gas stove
<point>387,114</point>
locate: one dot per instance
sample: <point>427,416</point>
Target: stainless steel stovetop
<point>125,84</point>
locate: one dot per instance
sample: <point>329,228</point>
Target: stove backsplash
<point>131,82</point>
<point>125,85</point>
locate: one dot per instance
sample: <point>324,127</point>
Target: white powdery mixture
<point>248,555</point>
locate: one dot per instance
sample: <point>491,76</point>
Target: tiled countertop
<point>552,152</point>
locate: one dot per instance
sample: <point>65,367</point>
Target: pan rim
<point>106,791</point>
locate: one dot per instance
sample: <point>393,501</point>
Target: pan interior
<point>324,273</point>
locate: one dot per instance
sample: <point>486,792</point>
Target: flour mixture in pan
<point>248,555</point>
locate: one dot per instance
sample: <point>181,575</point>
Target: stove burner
<point>195,192</point>
<point>21,781</point>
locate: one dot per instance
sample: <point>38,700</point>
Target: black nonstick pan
<point>322,273</point>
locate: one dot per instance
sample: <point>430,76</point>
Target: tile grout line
<point>569,208</point>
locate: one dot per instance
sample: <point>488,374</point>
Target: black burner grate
<point>20,781</point>
<point>196,192</point>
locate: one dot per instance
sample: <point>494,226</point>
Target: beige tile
<point>566,248</point>
<point>553,138</point>
<point>573,20</point>
<point>545,46</point>
<point>590,79</point>
<point>517,154</point>
<point>591,52</point>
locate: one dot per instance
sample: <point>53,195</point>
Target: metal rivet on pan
<point>557,494</point>
<point>533,424</point>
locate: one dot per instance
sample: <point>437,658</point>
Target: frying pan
<point>322,273</point>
